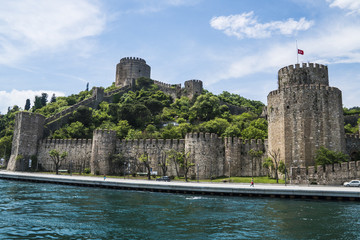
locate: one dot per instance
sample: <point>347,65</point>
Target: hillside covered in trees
<point>146,112</point>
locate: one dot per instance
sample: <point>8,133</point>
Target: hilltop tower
<point>304,113</point>
<point>129,69</point>
<point>193,88</point>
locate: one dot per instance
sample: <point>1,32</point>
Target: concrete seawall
<point>226,189</point>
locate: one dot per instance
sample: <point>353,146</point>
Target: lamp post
<point>229,171</point>
<point>197,174</point>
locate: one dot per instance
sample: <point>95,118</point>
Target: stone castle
<point>304,113</point>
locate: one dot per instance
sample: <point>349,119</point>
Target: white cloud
<point>246,25</point>
<point>153,6</point>
<point>353,6</point>
<point>17,97</point>
<point>29,26</point>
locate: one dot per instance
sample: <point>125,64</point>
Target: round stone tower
<point>193,88</point>
<point>129,69</point>
<point>103,146</point>
<point>304,113</point>
<point>28,130</point>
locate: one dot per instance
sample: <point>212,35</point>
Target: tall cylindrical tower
<point>28,130</point>
<point>304,113</point>
<point>103,146</point>
<point>129,69</point>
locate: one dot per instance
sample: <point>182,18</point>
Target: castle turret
<point>193,88</point>
<point>28,131</point>
<point>129,69</point>
<point>304,114</point>
<point>103,146</point>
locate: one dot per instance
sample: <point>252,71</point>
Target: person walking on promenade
<point>104,177</point>
<point>252,182</point>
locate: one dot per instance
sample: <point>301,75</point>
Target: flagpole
<point>297,53</point>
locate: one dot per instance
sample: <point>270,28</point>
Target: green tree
<point>163,161</point>
<point>27,105</point>
<point>84,115</point>
<point>134,134</point>
<point>57,158</point>
<point>275,155</point>
<point>184,161</point>
<point>232,131</point>
<point>205,108</point>
<point>144,158</point>
<point>176,158</point>
<point>217,125</point>
<point>53,98</point>
<point>170,132</point>
<point>325,156</point>
<point>268,164</point>
<point>118,163</point>
<point>37,103</point>
<point>252,132</point>
<point>44,100</point>
<point>137,115</point>
<point>122,129</point>
<point>144,83</point>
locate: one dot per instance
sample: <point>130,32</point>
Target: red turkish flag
<point>300,52</point>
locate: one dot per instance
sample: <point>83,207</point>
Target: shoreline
<point>222,189</point>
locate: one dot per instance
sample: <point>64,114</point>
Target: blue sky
<point>58,46</point>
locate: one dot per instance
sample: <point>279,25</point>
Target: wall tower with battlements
<point>304,113</point>
<point>129,69</point>
<point>193,88</point>
<point>28,131</point>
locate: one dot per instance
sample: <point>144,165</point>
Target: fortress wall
<point>352,143</point>
<point>156,149</point>
<point>79,153</point>
<point>332,174</point>
<point>174,90</point>
<point>207,153</point>
<point>238,159</point>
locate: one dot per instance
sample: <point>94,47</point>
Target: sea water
<point>49,211</point>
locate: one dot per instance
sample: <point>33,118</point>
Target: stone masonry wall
<point>332,174</point>
<point>208,151</point>
<point>129,69</point>
<point>239,161</point>
<point>156,148</point>
<point>28,130</point>
<point>79,154</point>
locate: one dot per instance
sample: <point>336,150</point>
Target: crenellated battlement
<point>304,87</point>
<point>201,136</point>
<point>166,85</point>
<point>307,73</point>
<point>352,136</point>
<point>305,66</point>
<point>51,141</point>
<point>330,174</point>
<point>194,81</point>
<point>132,59</point>
<point>104,133</point>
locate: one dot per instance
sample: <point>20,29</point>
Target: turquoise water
<point>47,211</point>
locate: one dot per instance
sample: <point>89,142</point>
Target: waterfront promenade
<point>203,188</point>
